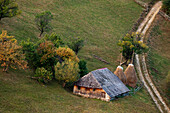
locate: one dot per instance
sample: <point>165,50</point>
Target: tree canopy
<point>8,8</point>
<point>11,54</point>
<point>131,44</point>
<point>43,20</point>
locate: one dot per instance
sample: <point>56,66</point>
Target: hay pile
<point>130,74</point>
<point>119,72</point>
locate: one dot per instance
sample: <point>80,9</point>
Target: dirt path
<point>143,28</point>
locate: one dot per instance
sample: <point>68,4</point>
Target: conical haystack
<point>130,74</point>
<point>119,72</point>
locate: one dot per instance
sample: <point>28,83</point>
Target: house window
<point>94,89</point>
<point>78,87</point>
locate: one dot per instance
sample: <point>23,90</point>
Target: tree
<point>166,6</point>
<point>67,71</point>
<point>8,8</point>
<point>67,53</point>
<point>10,53</point>
<point>76,44</point>
<point>57,41</point>
<point>46,52</point>
<point>42,75</point>
<point>31,55</point>
<point>43,20</point>
<point>83,68</point>
<point>131,44</point>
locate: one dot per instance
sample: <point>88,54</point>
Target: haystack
<point>130,74</point>
<point>119,72</point>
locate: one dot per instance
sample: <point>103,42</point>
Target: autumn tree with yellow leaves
<point>131,44</point>
<point>10,53</point>
<point>67,71</point>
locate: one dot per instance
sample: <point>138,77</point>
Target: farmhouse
<point>101,84</point>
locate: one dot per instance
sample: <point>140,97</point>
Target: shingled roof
<point>105,79</point>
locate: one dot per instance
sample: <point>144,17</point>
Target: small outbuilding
<point>101,84</point>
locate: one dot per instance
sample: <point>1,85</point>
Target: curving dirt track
<point>140,63</point>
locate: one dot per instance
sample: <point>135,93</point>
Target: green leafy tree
<point>57,41</point>
<point>8,8</point>
<point>166,6</point>
<point>67,71</point>
<point>31,55</point>
<point>43,20</point>
<point>83,68</point>
<point>48,57</point>
<point>131,44</point>
<point>43,75</point>
<point>76,44</point>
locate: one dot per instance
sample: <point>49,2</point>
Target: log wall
<point>91,93</point>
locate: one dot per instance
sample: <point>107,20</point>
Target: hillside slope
<point>158,55</point>
<point>21,94</point>
<point>100,22</point>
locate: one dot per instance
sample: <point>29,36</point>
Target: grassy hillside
<point>21,94</point>
<point>159,54</point>
<point>100,22</point>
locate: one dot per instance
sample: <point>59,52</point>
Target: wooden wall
<point>91,93</point>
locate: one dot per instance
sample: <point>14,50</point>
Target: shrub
<point>43,75</point>
<point>83,68</point>
<point>57,41</point>
<point>67,71</point>
<point>67,53</point>
<point>11,53</point>
<point>31,55</point>
<point>76,44</point>
<point>166,6</point>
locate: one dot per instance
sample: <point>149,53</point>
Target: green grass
<point>21,94</point>
<point>159,54</point>
<point>146,1</point>
<point>100,22</point>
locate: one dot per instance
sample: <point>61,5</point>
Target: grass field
<point>101,23</point>
<point>159,55</point>
<point>21,94</point>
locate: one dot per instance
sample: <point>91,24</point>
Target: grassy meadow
<point>21,94</point>
<point>101,23</point>
<point>159,55</point>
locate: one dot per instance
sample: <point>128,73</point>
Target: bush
<point>67,71</point>
<point>83,68</point>
<point>56,39</point>
<point>43,75</point>
<point>166,6</point>
<point>67,53</point>
<point>31,55</point>
<point>11,54</point>
<point>76,44</point>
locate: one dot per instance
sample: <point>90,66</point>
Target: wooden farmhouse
<point>101,84</point>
